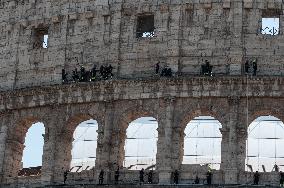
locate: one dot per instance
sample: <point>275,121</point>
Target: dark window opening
<point>40,38</point>
<point>145,26</point>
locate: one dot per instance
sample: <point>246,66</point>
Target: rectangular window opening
<point>40,38</point>
<point>270,26</point>
<point>145,26</point>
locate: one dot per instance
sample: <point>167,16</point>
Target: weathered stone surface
<point>101,32</point>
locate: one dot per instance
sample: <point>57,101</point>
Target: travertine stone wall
<point>188,32</point>
<point>102,32</point>
<point>114,104</point>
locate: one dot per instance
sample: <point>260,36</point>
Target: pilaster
<point>231,169</point>
<point>165,142</point>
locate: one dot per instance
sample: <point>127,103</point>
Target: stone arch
<point>184,118</point>
<point>189,115</point>
<point>265,112</point>
<point>202,137</point>
<point>64,144</point>
<point>15,144</point>
<point>127,117</point>
<point>264,142</point>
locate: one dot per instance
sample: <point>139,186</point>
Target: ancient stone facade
<point>186,33</point>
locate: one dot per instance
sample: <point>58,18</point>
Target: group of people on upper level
<point>251,67</point>
<point>105,72</point>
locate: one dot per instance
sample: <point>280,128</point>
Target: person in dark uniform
<point>169,72</point>
<point>103,72</point>
<point>65,176</point>
<point>150,177</point>
<point>276,168</point>
<point>281,178</point>
<point>176,176</point>
<point>157,68</point>
<point>256,178</point>
<point>64,76</point>
<point>110,69</point>
<point>141,176</point>
<point>209,177</point>
<point>247,66</point>
<point>75,75</point>
<point>116,175</point>
<point>208,68</point>
<point>254,66</point>
<point>82,74</point>
<point>197,180</point>
<point>101,177</point>
<point>94,73</point>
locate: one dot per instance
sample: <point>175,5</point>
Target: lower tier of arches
<point>113,118</point>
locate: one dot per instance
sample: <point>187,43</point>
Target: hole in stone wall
<point>264,144</point>
<point>84,146</point>
<point>270,23</point>
<point>145,26</point>
<point>141,144</point>
<point>40,38</point>
<point>202,142</point>
<point>270,26</point>
<point>33,151</point>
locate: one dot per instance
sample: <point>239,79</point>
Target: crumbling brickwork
<point>186,34</point>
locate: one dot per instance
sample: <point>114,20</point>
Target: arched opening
<point>33,151</point>
<point>202,142</point>
<point>264,151</point>
<point>141,144</point>
<point>84,146</point>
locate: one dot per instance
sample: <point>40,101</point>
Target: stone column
<point>49,149</point>
<point>11,150</point>
<point>241,154</point>
<point>177,147</point>
<point>3,137</point>
<point>164,157</point>
<point>231,164</point>
<point>107,156</point>
<point>224,148</point>
<point>12,158</point>
<point>236,52</point>
<point>57,149</point>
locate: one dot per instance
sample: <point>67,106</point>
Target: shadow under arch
<point>15,145</point>
<point>126,118</point>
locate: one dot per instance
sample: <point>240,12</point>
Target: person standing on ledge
<point>101,177</point>
<point>157,68</point>
<point>65,176</point>
<point>116,175</point>
<point>256,178</point>
<point>141,176</point>
<point>281,178</point>
<point>176,176</point>
<point>150,177</point>
<point>254,66</point>
<point>209,177</point>
<point>196,181</point>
